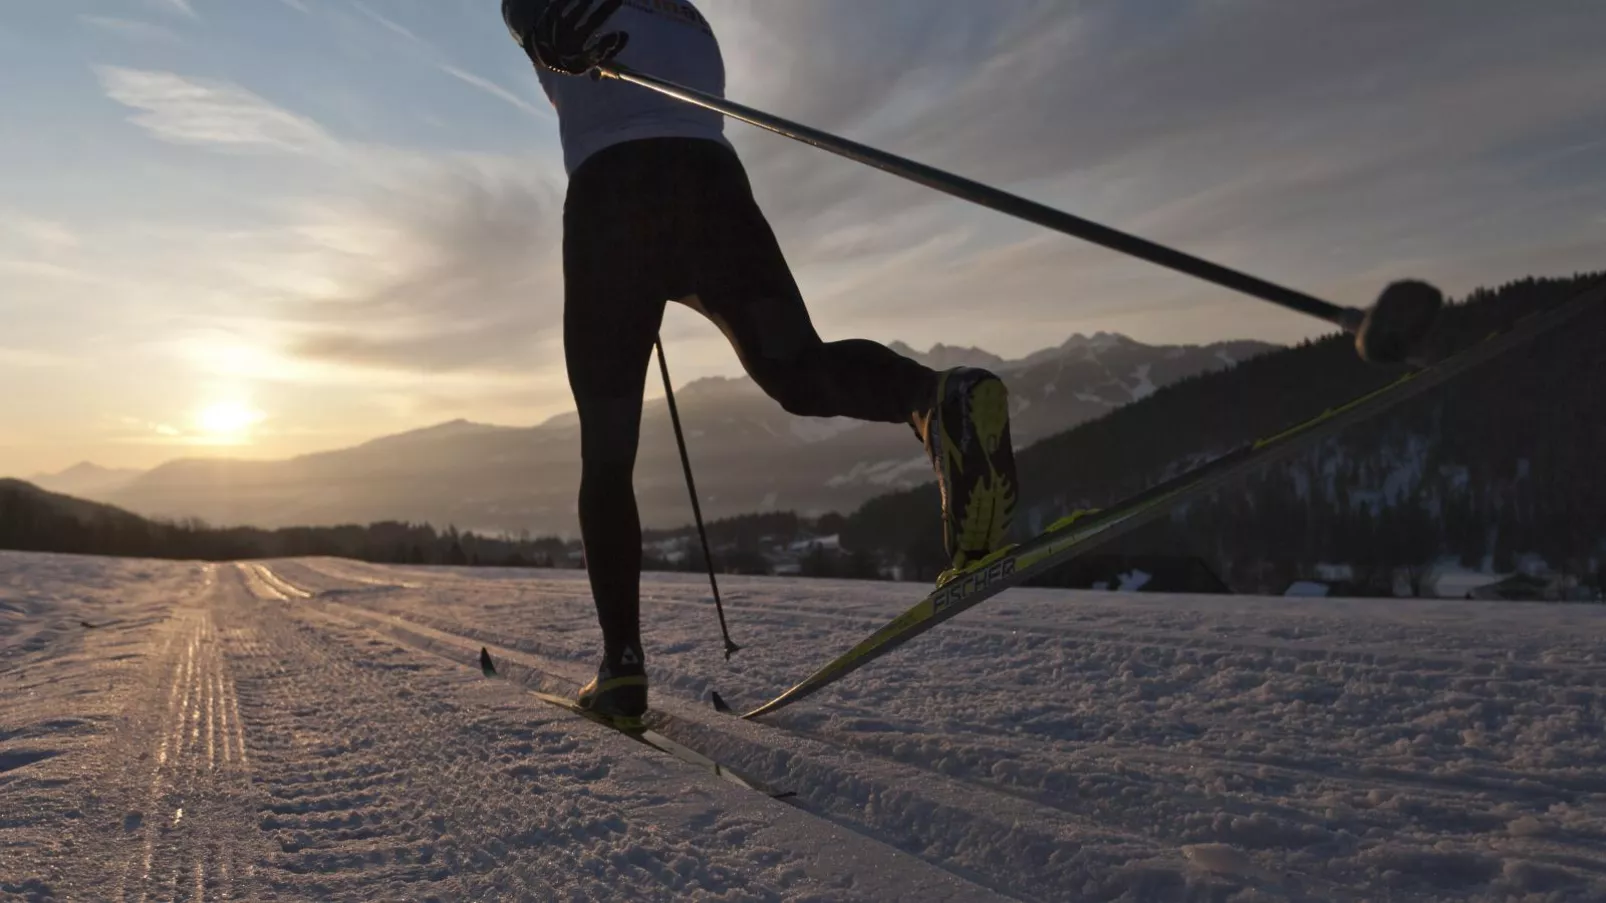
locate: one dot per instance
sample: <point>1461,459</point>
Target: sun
<point>229,421</point>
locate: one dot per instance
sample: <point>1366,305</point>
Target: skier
<point>659,208</point>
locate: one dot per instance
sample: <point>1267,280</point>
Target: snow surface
<point>318,729</point>
<point>1451,580</point>
<point>812,430</point>
<point>884,473</point>
<point>1144,385</point>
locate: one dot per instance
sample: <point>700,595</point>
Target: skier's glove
<point>562,34</point>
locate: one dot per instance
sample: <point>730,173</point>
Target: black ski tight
<point>646,222</point>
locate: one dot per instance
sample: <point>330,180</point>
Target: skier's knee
<point>795,392</point>
<point>609,431</point>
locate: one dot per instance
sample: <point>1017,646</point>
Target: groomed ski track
<point>872,795</point>
<point>326,732</point>
<point>238,742</point>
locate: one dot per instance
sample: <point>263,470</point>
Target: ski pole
<point>696,508</point>
<point>1391,330</point>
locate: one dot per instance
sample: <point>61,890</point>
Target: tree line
<point>34,520</point>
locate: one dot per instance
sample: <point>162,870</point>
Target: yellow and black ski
<point>1086,530</point>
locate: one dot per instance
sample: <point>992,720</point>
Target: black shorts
<point>670,219</point>
<point>674,219</point>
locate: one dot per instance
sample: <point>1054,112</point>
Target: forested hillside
<point>1502,462</point>
<point>33,520</point>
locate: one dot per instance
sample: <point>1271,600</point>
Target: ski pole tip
<point>1396,327</point>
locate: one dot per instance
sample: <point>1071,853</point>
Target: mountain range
<point>86,480</point>
<point>748,453</point>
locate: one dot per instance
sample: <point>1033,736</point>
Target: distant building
<point>1524,587</point>
<point>1335,573</point>
<point>1308,589</point>
<point>1516,588</point>
<point>1451,581</point>
<point>807,544</point>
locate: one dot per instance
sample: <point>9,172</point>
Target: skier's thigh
<point>606,351</point>
<point>766,331</point>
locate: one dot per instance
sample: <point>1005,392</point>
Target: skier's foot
<point>619,691</point>
<point>966,433</point>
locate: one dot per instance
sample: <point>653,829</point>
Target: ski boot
<point>619,691</point>
<point>966,435</point>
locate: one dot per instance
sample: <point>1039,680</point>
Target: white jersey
<point>669,39</point>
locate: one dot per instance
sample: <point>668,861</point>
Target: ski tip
<point>720,705</point>
<point>486,665</point>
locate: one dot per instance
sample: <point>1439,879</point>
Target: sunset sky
<point>265,227</point>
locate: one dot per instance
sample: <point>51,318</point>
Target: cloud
<point>217,114</point>
<point>459,273</point>
<point>499,92</point>
<point>175,7</point>
<point>1327,148</point>
<point>51,272</point>
<point>1304,143</point>
<point>139,431</point>
<point>426,263</point>
<point>32,359</point>
<point>37,233</point>
<point>39,250</point>
<point>389,24</point>
<point>1234,129</point>
<point>410,44</point>
<point>1026,90</point>
<point>132,29</point>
